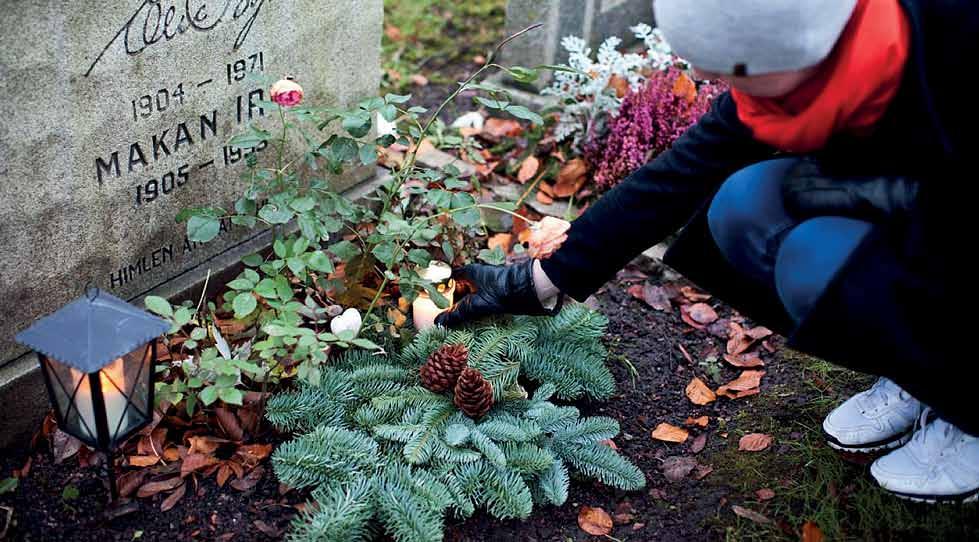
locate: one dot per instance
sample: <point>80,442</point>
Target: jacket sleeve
<point>655,201</point>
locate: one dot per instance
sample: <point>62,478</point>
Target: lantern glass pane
<point>139,376</point>
<point>73,399</point>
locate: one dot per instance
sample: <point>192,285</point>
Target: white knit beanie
<point>753,37</point>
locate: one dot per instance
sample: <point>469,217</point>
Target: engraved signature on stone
<point>159,21</point>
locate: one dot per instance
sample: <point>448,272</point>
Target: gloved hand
<point>495,289</point>
<point>809,192</point>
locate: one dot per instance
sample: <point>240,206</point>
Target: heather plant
<point>592,91</point>
<point>648,122</point>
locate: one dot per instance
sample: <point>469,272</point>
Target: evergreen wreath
<point>382,453</point>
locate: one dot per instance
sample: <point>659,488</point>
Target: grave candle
<point>115,401</point>
<point>423,309</point>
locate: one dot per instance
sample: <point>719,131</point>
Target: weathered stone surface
<point>592,20</point>
<point>116,115</point>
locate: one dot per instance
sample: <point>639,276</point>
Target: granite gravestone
<point>116,115</point>
<point>592,20</point>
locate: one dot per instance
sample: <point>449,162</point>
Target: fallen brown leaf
<point>702,471</point>
<point>702,313</point>
<point>195,462</point>
<point>498,129</point>
<point>610,443</point>
<point>419,80</point>
<point>699,422</point>
<point>129,482</point>
<point>765,494</point>
<point>392,32</point>
<point>502,240</point>
<point>693,295</point>
<point>571,178</point>
<point>699,443</point>
<point>678,467</point>
<point>249,481</point>
<point>173,498</point>
<point>205,444</point>
<point>152,488</point>
<point>739,341</point>
<point>224,473</point>
<point>685,88</point>
<point>744,385</point>
<point>544,198</point>
<point>812,533</point>
<point>64,446</point>
<point>143,460</point>
<point>670,433</point>
<point>750,515</point>
<point>656,297</point>
<point>594,521</point>
<point>253,454</point>
<point>699,393</point>
<point>229,423</point>
<point>528,169</point>
<point>620,85</point>
<point>758,333</point>
<point>171,454</point>
<point>685,316</point>
<point>746,360</point>
<point>754,442</point>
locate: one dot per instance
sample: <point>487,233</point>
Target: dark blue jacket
<point>903,306</point>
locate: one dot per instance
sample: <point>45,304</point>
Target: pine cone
<point>442,370</point>
<point>473,393</point>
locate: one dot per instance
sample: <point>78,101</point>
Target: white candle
<point>115,401</point>
<point>423,309</point>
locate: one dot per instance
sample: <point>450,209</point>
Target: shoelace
<point>934,437</point>
<point>879,395</point>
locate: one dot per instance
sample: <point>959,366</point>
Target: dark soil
<point>65,502</point>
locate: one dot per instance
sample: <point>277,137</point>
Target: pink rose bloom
<point>287,93</point>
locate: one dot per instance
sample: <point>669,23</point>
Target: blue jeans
<point>798,259</point>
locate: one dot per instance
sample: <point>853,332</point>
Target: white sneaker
<point>940,464</point>
<point>880,418</point>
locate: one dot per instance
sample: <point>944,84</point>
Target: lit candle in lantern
<point>423,309</point>
<point>110,377</point>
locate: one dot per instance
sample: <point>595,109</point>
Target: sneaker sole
<point>870,447</point>
<point>964,498</point>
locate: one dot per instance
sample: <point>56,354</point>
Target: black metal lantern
<point>98,356</point>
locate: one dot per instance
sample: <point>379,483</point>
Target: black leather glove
<point>495,289</point>
<point>809,192</point>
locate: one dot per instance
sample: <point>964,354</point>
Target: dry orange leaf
<point>739,341</point>
<point>693,295</point>
<point>392,32</point>
<point>747,360</point>
<point>670,433</point>
<point>594,521</point>
<point>750,514</point>
<point>699,422</point>
<point>544,198</point>
<point>546,188</point>
<point>419,80</point>
<point>502,240</point>
<point>702,313</point>
<point>152,488</point>
<point>143,460</point>
<point>744,385</point>
<point>174,498</point>
<point>685,87</point>
<point>195,462</point>
<point>528,169</point>
<point>765,494</point>
<point>500,128</point>
<point>610,443</point>
<point>620,85</point>
<point>397,318</point>
<point>547,236</point>
<point>699,393</point>
<point>812,533</point>
<point>205,444</point>
<point>754,442</point>
<point>171,454</point>
<point>571,178</point>
<point>758,333</point>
